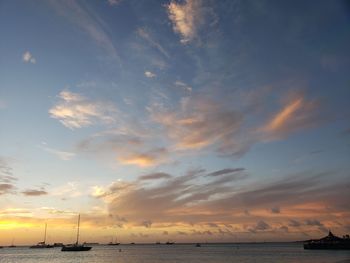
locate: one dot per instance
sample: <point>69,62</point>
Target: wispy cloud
<point>114,2</point>
<point>28,57</point>
<point>75,111</point>
<point>69,190</point>
<point>146,35</point>
<point>154,176</point>
<point>63,155</point>
<point>198,123</point>
<point>297,113</point>
<point>34,192</point>
<point>6,177</point>
<point>183,85</point>
<point>89,22</point>
<point>6,188</point>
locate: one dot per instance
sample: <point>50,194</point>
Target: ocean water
<point>207,253</point>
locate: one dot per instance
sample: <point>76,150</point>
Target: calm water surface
<point>207,253</point>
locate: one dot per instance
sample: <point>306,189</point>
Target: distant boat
<point>76,246</point>
<point>1,247</point>
<point>43,243</point>
<point>330,242</point>
<point>12,245</point>
<point>158,243</point>
<point>58,244</point>
<point>169,243</point>
<point>198,245</point>
<point>116,243</point>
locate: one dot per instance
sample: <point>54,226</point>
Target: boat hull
<point>75,248</point>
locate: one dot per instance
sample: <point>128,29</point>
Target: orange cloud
<point>298,113</point>
<point>146,159</point>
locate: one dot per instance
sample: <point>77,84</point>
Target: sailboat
<point>12,245</point>
<point>76,246</point>
<point>116,243</point>
<point>43,243</point>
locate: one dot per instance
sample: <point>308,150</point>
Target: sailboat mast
<point>78,229</point>
<point>45,233</point>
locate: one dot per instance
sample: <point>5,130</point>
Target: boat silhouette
<point>330,242</point>
<point>116,243</point>
<point>43,243</point>
<point>76,246</point>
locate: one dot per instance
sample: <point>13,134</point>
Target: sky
<point>187,121</point>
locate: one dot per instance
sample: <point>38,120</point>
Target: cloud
<point>144,159</point>
<point>190,200</point>
<point>70,189</point>
<point>28,58</point>
<point>186,18</point>
<point>226,171</point>
<point>6,177</point>
<point>183,86</point>
<point>294,223</point>
<point>147,223</point>
<point>75,111</point>
<point>89,22</point>
<point>150,74</point>
<point>172,199</point>
<point>297,113</point>
<point>201,122</point>
<point>189,17</point>
<point>275,210</point>
<point>15,211</point>
<point>114,2</point>
<point>33,192</point>
<point>65,156</point>
<point>6,189</point>
<point>154,176</point>
<point>261,225</point>
<point>146,35</point>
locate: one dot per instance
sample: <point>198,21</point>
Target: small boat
<point>58,244</point>
<point>116,243</point>
<point>169,243</point>
<point>43,243</point>
<point>76,246</point>
<point>12,245</point>
<point>330,242</point>
<point>198,245</point>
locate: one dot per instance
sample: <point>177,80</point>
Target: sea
<point>189,253</point>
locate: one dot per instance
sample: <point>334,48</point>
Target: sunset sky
<point>194,120</point>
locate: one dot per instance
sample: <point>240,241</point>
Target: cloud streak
<point>75,111</point>
<point>89,22</point>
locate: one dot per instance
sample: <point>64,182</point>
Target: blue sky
<point>230,118</point>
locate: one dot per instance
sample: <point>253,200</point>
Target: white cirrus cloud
<point>75,111</point>
<point>28,57</point>
<point>63,155</point>
<point>145,34</point>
